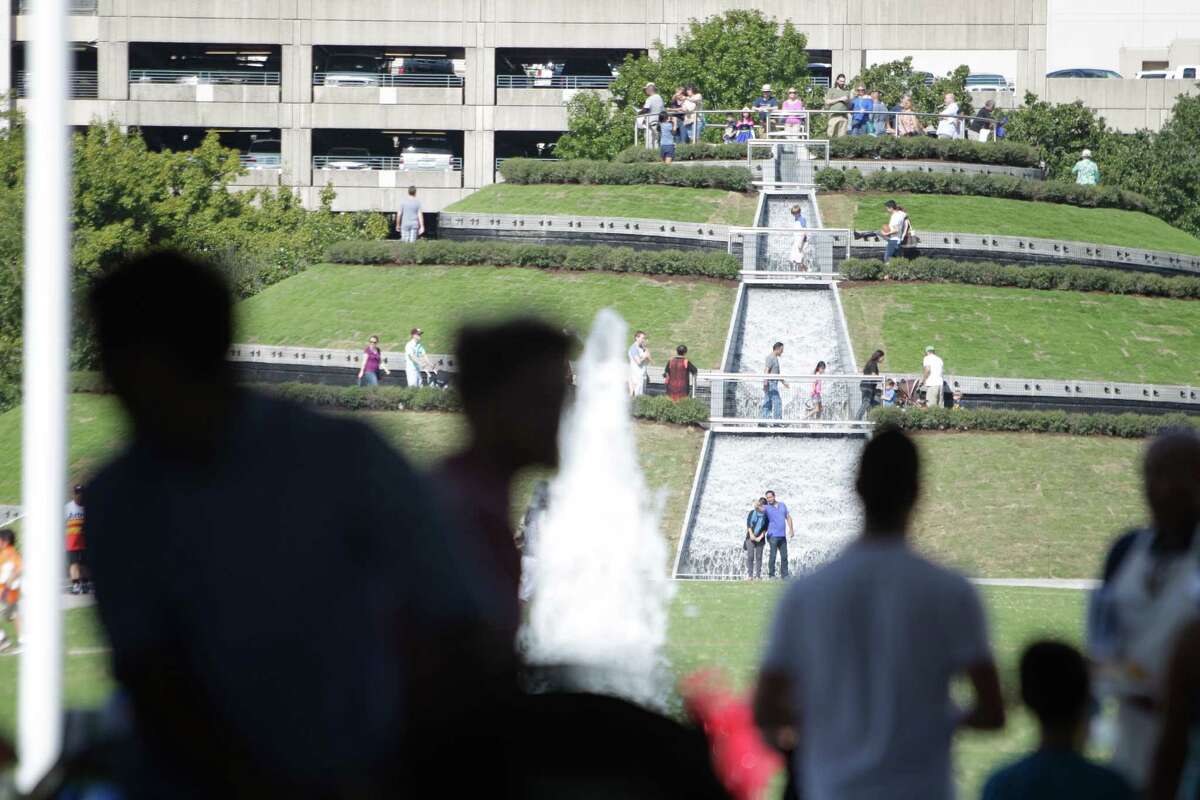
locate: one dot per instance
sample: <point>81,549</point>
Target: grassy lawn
<point>341,305</point>
<point>639,202</point>
<point>1041,506</point>
<point>724,624</point>
<point>1026,333</point>
<point>711,625</point>
<point>1011,218</point>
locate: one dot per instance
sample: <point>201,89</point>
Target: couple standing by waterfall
<point>769,523</point>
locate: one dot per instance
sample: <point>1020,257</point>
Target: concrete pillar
<point>6,39</point>
<point>479,158</point>
<point>297,156</point>
<point>112,62</point>
<point>297,66</point>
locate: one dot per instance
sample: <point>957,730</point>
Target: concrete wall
<point>1127,105</point>
<point>846,27</point>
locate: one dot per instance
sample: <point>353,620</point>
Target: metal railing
<point>77,8</point>
<point>261,160</point>
<point>810,399</point>
<point>83,84</point>
<point>386,80</point>
<point>382,163</point>
<point>555,82</point>
<point>191,77</point>
<point>791,252</point>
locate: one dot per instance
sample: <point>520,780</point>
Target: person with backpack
<point>756,539</point>
<point>897,229</point>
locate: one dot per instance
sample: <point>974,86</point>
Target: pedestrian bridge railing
<point>759,398</point>
<point>790,250</point>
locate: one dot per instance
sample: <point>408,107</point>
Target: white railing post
<point>44,426</point>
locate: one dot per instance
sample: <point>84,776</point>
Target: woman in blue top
<point>756,539</point>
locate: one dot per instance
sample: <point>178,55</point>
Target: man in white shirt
<point>414,358</point>
<point>857,672</point>
<point>932,377</point>
<point>895,229</point>
<point>639,356</point>
<point>949,125</point>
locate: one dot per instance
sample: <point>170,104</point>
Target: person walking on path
<point>756,538</point>
<point>1055,686</point>
<point>932,369</point>
<point>10,589</point>
<point>862,653</point>
<point>1085,170</point>
<point>414,358</point>
<point>639,357</point>
<point>76,543</point>
<point>896,229</point>
<point>1146,598</point>
<point>801,254</point>
<point>814,398</point>
<point>409,220</point>
<point>837,98</point>
<point>678,374</point>
<point>867,388</point>
<point>779,530</point>
<point>772,402</point>
<point>368,373</point>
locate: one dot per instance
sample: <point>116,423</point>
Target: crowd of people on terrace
<point>857,112</point>
<point>402,664</point>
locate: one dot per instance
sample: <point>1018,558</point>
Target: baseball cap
<point>929,348</point>
<point>766,87</point>
<point>650,85</point>
<point>415,330</point>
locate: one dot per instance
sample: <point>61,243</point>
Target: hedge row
<point>532,170</point>
<point>689,152</point>
<point>1006,186</point>
<point>402,398</point>
<point>925,148</point>
<point>988,273</point>
<point>603,258</point>
<point>1125,426</point>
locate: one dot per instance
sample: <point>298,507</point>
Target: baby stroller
<point>433,376</point>
<point>906,393</point>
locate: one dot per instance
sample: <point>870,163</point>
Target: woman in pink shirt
<point>368,373</point>
<point>793,122</point>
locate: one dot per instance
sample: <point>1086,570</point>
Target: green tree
<point>1172,174</point>
<point>596,128</point>
<point>1060,131</point>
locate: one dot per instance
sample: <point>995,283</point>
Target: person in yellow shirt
<point>10,586</point>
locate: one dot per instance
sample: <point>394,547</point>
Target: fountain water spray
<point>600,589</point>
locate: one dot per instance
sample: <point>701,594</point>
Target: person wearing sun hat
<point>1085,170</point>
<point>765,104</point>
<point>932,375</point>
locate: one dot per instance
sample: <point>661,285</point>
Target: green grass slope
<point>340,305</point>
<point>640,202</point>
<point>1027,333</point>
<point>1010,218</point>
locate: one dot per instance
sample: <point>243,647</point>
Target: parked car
<point>422,65</point>
<point>988,82</point>
<point>1153,74</point>
<point>352,70</point>
<point>1083,72</point>
<point>426,155</point>
<point>264,154</point>
<point>348,158</point>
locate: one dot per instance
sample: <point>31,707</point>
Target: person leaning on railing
<point>907,122</point>
<point>649,113</point>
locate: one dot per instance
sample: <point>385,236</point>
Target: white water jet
<point>600,592</point>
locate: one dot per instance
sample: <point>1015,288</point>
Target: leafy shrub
<point>924,148</point>
<point>1005,186</point>
<point>1125,426</point>
<point>532,170</point>
<point>691,152</point>
<point>687,411</point>
<point>601,258</point>
<point>88,382</point>
<point>988,273</point>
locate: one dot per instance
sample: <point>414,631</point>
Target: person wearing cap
<point>765,104</point>
<point>862,106</point>
<point>649,113</point>
<point>895,230</point>
<point>76,543</point>
<point>932,377</point>
<point>414,358</point>
<point>837,98</point>
<point>1086,171</point>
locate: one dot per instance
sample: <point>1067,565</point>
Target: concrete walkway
<point>1078,584</point>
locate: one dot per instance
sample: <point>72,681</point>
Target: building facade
<point>372,96</point>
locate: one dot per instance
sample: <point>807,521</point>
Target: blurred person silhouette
<point>1055,686</point>
<point>513,380</point>
<point>222,505</point>
<point>1147,596</point>
<point>1175,770</point>
<point>861,654</point>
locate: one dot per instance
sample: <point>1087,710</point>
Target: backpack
<point>907,238</point>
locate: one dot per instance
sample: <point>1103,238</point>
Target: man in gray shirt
<point>772,403</point>
<point>648,114</point>
<point>409,220</point>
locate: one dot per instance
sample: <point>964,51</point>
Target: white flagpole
<point>44,434</point>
